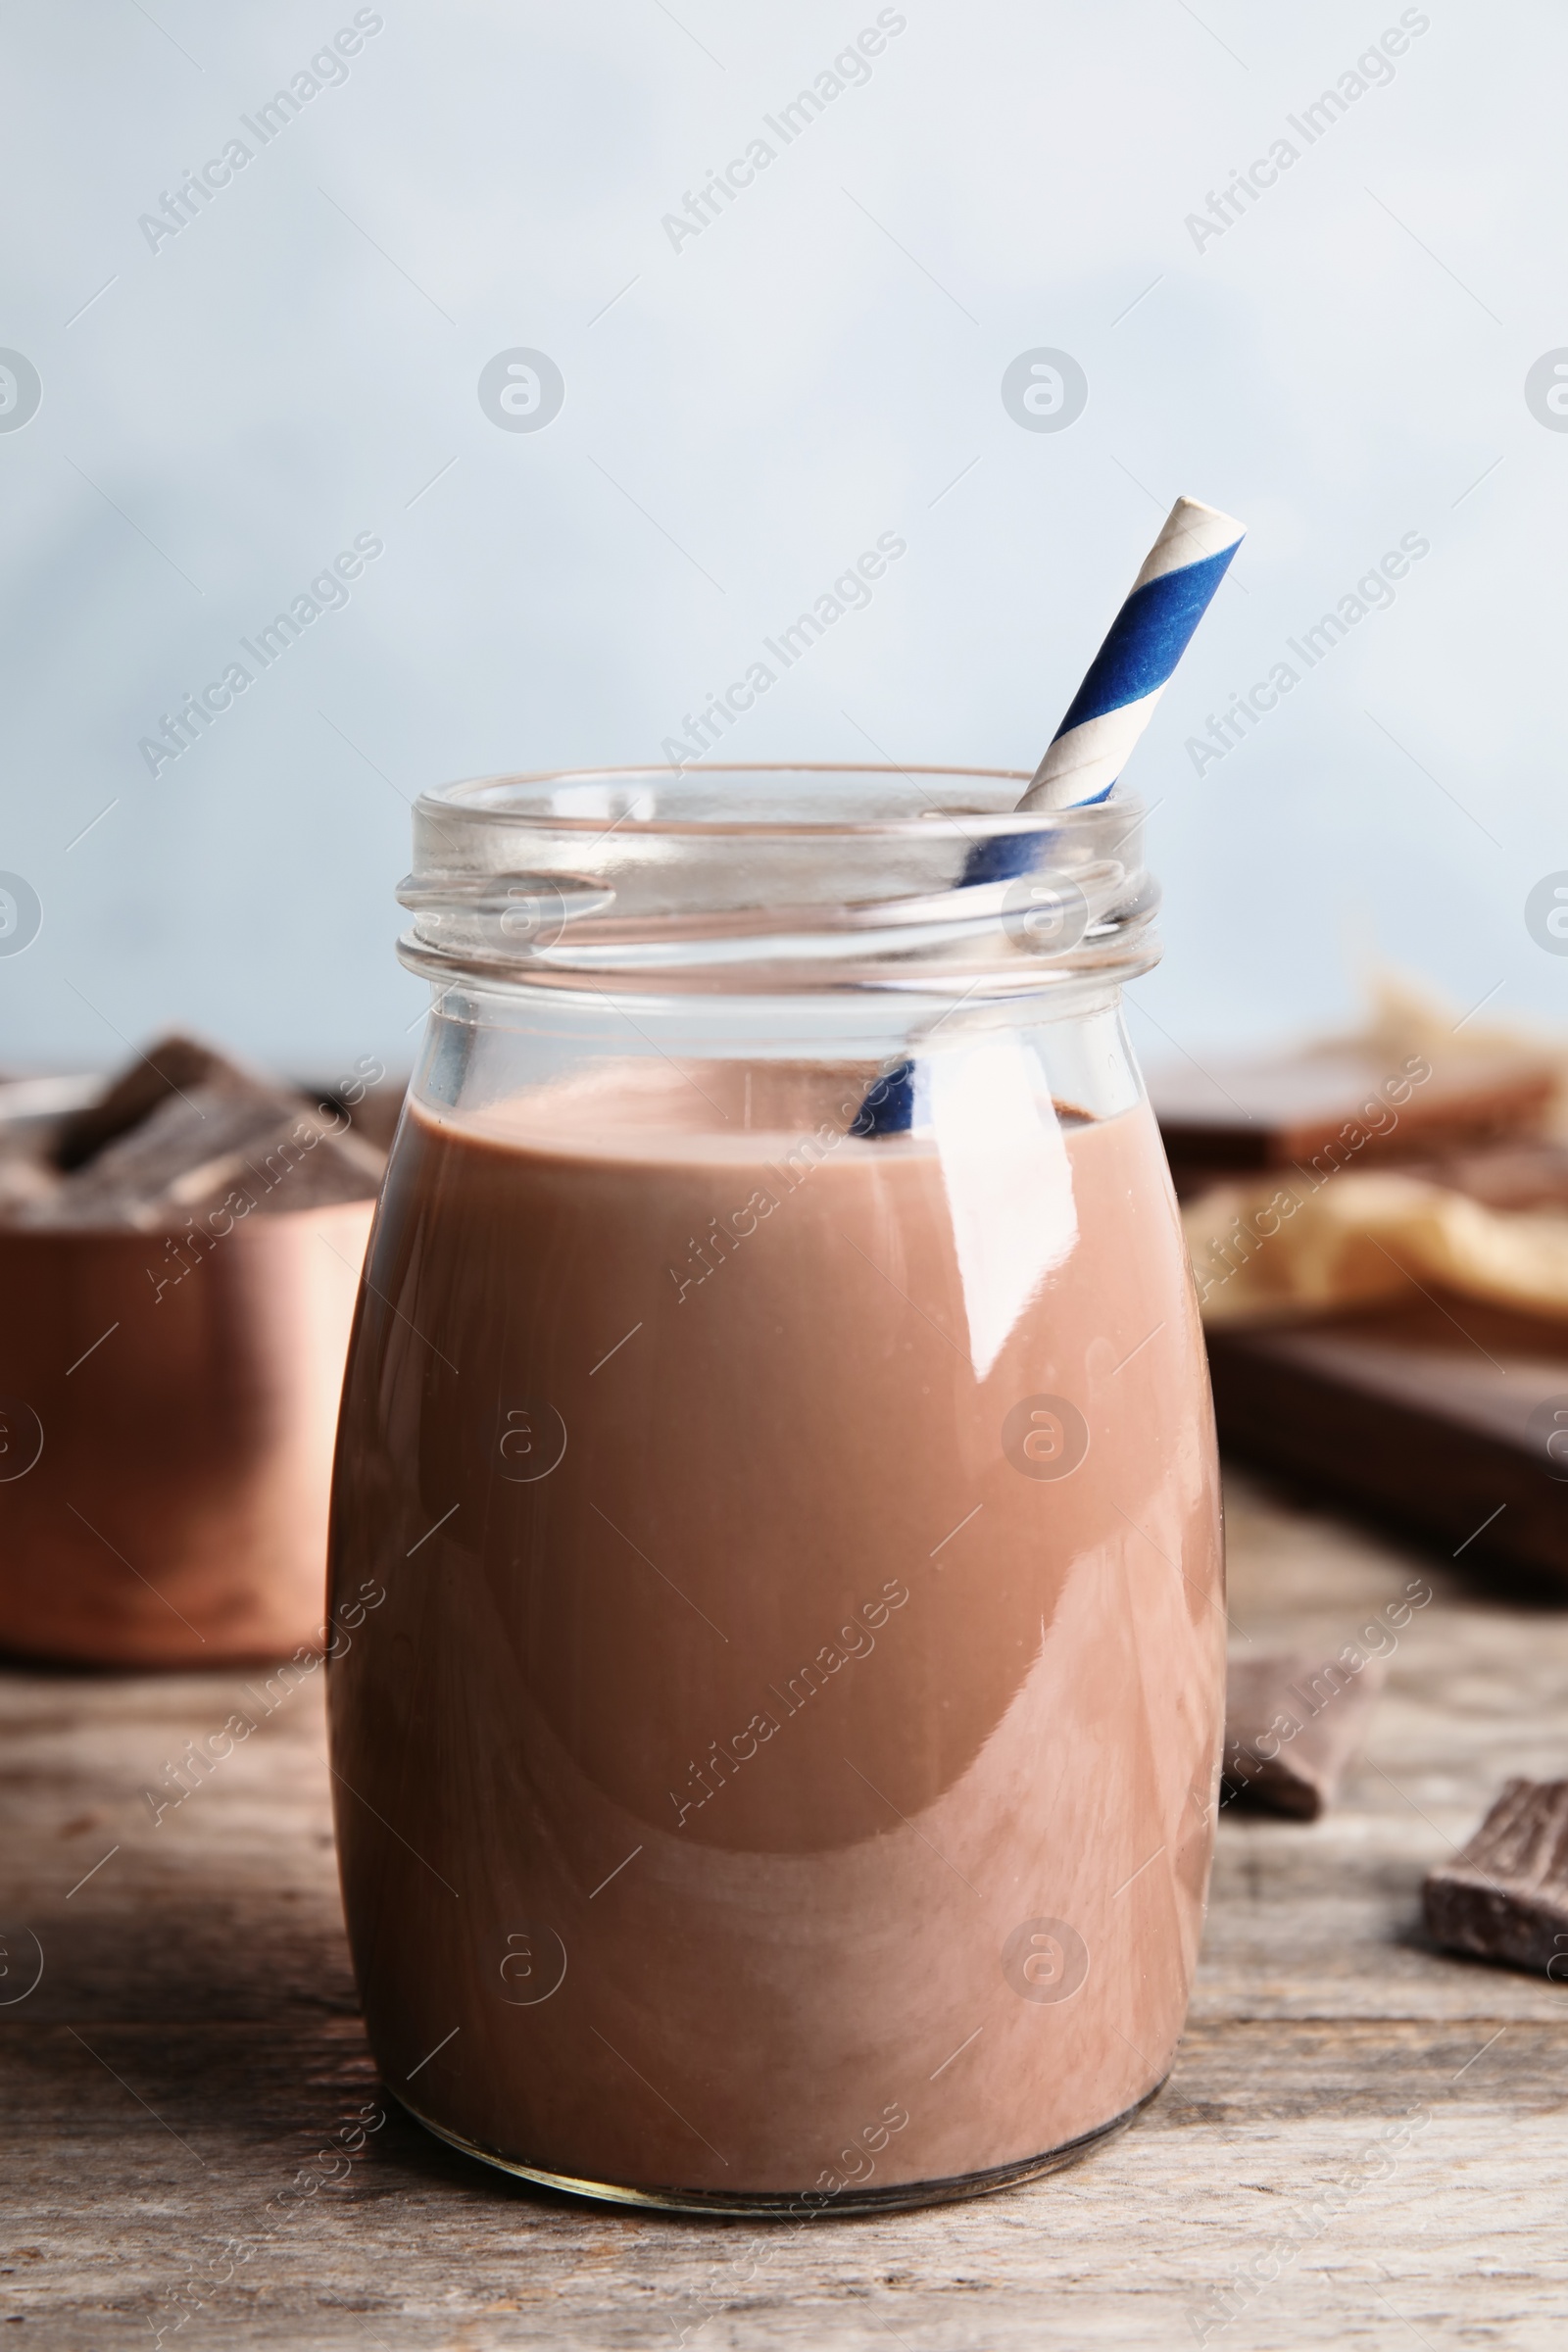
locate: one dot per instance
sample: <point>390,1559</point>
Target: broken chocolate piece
<point>1514,1176</point>
<point>186,1138</point>
<point>174,1065</point>
<point>1346,1103</point>
<point>1292,1724</point>
<point>206,1150</point>
<point>1505,1896</point>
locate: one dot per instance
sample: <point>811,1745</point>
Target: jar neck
<point>784,885</point>
<point>488,1050</point>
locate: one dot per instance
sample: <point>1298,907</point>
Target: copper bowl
<point>166,1452</point>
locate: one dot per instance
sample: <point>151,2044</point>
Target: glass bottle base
<point>765,2205</point>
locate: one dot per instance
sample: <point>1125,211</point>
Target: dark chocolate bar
<point>1448,1418</point>
<point>1505,1896</point>
<point>1342,1104</point>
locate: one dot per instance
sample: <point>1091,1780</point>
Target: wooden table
<point>1363,2141</point>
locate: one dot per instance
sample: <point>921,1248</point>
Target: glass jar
<point>781,1773</point>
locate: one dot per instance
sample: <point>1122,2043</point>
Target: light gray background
<point>1345,365</point>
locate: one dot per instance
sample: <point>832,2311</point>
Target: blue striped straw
<point>1103,721</point>
<point>1133,667</point>
<point>1125,679</point>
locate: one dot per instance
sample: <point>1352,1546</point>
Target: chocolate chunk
<point>208,1146</point>
<point>184,1131</point>
<point>175,1065</point>
<point>1505,1898</point>
<point>1346,1104</point>
<point>1292,1724</point>
<point>1506,1176</point>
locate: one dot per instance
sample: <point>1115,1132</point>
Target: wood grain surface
<point>1365,2141</point>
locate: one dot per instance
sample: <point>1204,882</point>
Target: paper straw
<point>1125,679</point>
<point>1133,667</point>
<point>1105,717</point>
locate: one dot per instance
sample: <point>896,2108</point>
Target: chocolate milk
<point>783,1765</point>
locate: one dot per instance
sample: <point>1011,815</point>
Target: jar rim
<point>771,876</point>
<point>468,797</point>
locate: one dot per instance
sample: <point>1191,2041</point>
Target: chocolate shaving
<point>1293,1725</point>
<point>1505,1896</point>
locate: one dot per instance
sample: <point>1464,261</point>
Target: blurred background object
<point>1379,1231</point>
<point>178,1258</point>
<point>499,386</point>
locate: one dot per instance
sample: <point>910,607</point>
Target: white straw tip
<point>1207,530</point>
<point>1197,505</point>
<point>1191,533</point>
